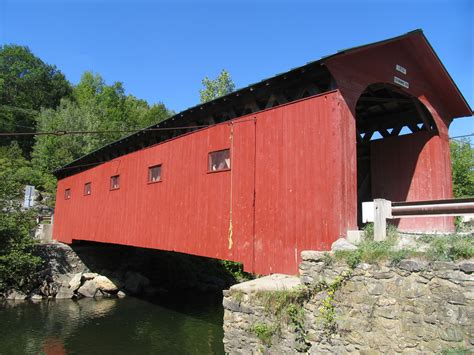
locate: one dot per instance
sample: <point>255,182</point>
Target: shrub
<point>17,264</point>
<point>277,301</point>
<point>264,332</point>
<point>450,248</point>
<point>236,270</point>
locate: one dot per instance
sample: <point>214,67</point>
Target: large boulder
<point>75,282</point>
<point>105,284</point>
<point>65,293</point>
<point>15,295</point>
<point>88,289</point>
<point>135,282</point>
<point>36,298</point>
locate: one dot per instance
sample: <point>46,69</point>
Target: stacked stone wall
<point>414,307</point>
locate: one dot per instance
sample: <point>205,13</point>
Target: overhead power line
<point>463,136</point>
<point>65,132</point>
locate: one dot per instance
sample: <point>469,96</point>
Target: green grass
<point>442,248</point>
<point>285,307</point>
<point>264,332</point>
<point>237,296</point>
<point>458,351</point>
<point>369,251</point>
<point>275,302</point>
<point>327,259</point>
<point>449,248</point>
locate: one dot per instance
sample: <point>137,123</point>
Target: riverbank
<point>337,306</point>
<point>102,270</point>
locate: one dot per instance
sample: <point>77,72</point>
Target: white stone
<point>104,284</point>
<point>89,289</point>
<point>275,282</point>
<point>15,295</point>
<point>75,282</point>
<point>342,244</point>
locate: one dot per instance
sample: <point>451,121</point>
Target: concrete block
<point>355,236</point>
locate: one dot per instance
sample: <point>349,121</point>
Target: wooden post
<point>382,211</point>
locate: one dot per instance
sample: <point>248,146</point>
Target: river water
<point>184,325</point>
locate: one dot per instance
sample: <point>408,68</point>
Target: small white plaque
<point>367,212</point>
<point>401,82</point>
<point>400,69</point>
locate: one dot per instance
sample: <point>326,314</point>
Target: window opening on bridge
<point>154,173</point>
<point>67,194</point>
<point>115,182</point>
<point>219,160</point>
<point>87,189</point>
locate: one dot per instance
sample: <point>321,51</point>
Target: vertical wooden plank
<point>412,168</point>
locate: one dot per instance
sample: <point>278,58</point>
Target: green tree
<point>96,107</point>
<point>17,264</point>
<point>220,86</point>
<point>462,159</point>
<point>27,84</point>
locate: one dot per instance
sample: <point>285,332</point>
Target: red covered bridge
<point>282,166</point>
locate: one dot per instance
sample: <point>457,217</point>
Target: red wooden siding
<point>357,70</point>
<point>302,185</point>
<point>288,157</point>
<point>413,168</point>
<point>292,185</point>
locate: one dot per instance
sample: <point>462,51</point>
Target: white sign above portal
<point>401,82</point>
<point>400,69</point>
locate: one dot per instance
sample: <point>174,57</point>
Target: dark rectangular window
<point>87,189</point>
<point>115,182</point>
<point>219,160</point>
<point>67,194</point>
<point>154,173</point>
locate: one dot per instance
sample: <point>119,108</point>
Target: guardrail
<point>380,210</point>
<point>45,219</point>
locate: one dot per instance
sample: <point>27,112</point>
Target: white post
<point>382,211</point>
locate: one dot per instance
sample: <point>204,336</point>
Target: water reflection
<point>111,326</point>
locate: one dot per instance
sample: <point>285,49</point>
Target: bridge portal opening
<point>385,114</point>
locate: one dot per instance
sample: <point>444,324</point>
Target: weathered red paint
<point>393,158</point>
<point>411,168</point>
<point>284,156</point>
<point>293,179</point>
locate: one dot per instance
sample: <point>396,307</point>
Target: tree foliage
<point>95,106</point>
<point>27,84</point>
<point>17,264</point>
<point>220,86</point>
<point>35,96</point>
<point>462,159</point>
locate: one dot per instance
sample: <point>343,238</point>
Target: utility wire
<point>463,136</point>
<point>64,132</point>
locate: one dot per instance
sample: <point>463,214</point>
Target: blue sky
<point>161,50</point>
